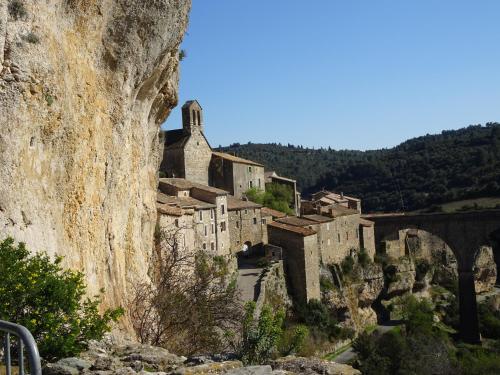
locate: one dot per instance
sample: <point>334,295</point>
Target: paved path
<point>349,354</point>
<point>248,276</point>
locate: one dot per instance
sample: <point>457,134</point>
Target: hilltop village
<point>203,195</point>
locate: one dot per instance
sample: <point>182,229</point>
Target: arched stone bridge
<point>464,233</point>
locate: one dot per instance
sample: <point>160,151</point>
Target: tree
<point>192,305</point>
<point>50,301</point>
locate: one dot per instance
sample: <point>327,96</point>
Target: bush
<point>277,196</point>
<point>316,314</point>
<point>17,9</point>
<point>325,283</point>
<point>347,266</point>
<point>363,258</point>
<point>293,340</point>
<point>260,336</point>
<point>489,321</point>
<point>38,294</point>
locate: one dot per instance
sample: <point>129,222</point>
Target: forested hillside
<point>417,174</point>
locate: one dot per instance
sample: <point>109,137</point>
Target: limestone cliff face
<point>84,86</point>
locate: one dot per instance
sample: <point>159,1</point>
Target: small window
<point>237,224</point>
<point>338,236</point>
<point>204,246</point>
<point>206,231</point>
<point>177,223</point>
<point>212,246</point>
<point>193,114</point>
<point>223,226</point>
<point>201,215</point>
<point>259,184</point>
<point>198,117</point>
<point>213,228</point>
<point>249,169</point>
<point>264,221</point>
<point>347,236</point>
<point>255,220</point>
<point>211,214</point>
<point>223,209</point>
<point>250,184</point>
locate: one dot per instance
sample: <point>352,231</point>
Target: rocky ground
<point>130,359</point>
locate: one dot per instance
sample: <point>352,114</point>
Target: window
<point>211,214</point>
<point>259,184</point>
<point>264,221</point>
<point>223,226</point>
<point>212,246</point>
<point>193,114</point>
<point>250,184</point>
<point>339,236</point>
<point>347,236</point>
<point>213,228</point>
<point>237,224</point>
<point>254,220</point>
<point>177,223</point>
<point>249,169</point>
<point>246,211</point>
<point>198,117</point>
<point>204,246</point>
<point>206,231</point>
<point>201,215</point>
<point>223,209</point>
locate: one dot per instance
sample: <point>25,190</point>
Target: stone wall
<point>273,289</point>
<point>243,175</point>
<point>197,156</point>
<point>368,239</point>
<point>301,261</point>
<point>80,113</point>
<point>245,225</point>
<point>173,162</point>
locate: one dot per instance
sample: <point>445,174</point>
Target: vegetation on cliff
<point>50,301</point>
<point>419,173</point>
<point>278,197</point>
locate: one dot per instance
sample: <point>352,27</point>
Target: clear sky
<point>356,74</point>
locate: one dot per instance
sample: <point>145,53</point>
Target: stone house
<point>273,177</point>
<point>323,200</point>
<point>186,151</point>
<point>300,258</point>
<point>235,174</point>
<point>246,226</point>
<point>268,216</point>
<point>210,220</point>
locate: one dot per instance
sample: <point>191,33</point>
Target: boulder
<point>400,277</point>
<point>59,369</point>
<point>311,366</point>
<point>152,358</point>
<point>485,270</point>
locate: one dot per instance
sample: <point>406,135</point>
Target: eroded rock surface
<point>84,86</point>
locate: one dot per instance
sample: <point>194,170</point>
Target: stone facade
<point>210,221</point>
<point>300,258</point>
<point>246,227</point>
<point>235,174</point>
<point>187,153</point>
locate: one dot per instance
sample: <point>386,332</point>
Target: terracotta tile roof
<point>235,159</point>
<point>266,211</point>
<point>318,218</point>
<point>165,209</point>
<point>183,202</point>
<point>234,203</point>
<point>366,223</point>
<point>296,221</point>
<point>292,228</point>
<point>183,184</point>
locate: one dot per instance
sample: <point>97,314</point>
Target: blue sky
<point>355,74</point>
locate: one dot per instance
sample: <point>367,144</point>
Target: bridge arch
<point>465,233</point>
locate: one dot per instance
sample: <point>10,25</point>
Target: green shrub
<point>260,336</point>
<point>316,314</point>
<point>347,266</point>
<point>277,196</point>
<point>38,294</point>
<point>182,54</point>
<point>17,9</point>
<point>325,283</point>
<point>489,321</point>
<point>363,258</point>
<point>293,340</point>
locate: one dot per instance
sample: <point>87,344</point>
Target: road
<point>349,354</point>
<point>248,277</point>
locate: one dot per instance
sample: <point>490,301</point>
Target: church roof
<point>235,159</point>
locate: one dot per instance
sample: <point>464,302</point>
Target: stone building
<point>268,216</point>
<point>323,200</point>
<point>300,258</point>
<point>273,177</point>
<point>210,221</point>
<point>186,152</point>
<point>246,226</point>
<point>235,174</point>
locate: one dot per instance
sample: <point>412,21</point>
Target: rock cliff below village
<point>84,86</point>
